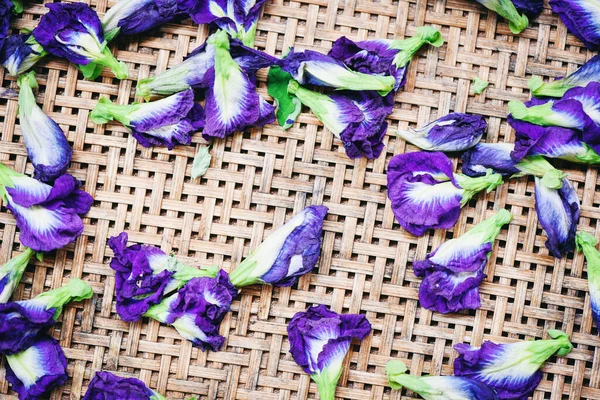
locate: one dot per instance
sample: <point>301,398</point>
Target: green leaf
<point>201,162</point>
<point>18,6</point>
<point>90,71</point>
<point>479,85</point>
<point>288,106</point>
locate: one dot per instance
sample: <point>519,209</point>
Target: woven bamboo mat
<point>260,178</point>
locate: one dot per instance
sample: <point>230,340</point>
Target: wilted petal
<point>11,273</point>
<point>588,72</point>
<point>106,386</point>
<point>587,244</point>
<point>288,253</point>
<point>558,213</point>
<point>452,132</point>
<point>437,387</point>
<point>6,12</point>
<point>477,160</point>
<point>19,53</point>
<point>319,340</point>
<point>581,18</point>
<point>130,17</point>
<point>34,372</point>
<point>47,146</point>
<point>512,370</point>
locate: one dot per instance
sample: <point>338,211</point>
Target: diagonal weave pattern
<point>259,178</point>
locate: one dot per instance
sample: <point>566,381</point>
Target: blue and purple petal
<point>497,156</point>
<point>130,17</point>
<point>582,18</point>
<point>108,386</point>
<point>588,72</point>
<point>19,53</point>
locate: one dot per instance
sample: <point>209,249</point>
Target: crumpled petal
<point>21,322</point>
<point>48,217</point>
<point>6,11</point>
<point>34,372</point>
<point>108,386</point>
<point>452,132</point>
<point>19,53</point>
<point>581,18</point>
<point>531,8</point>
<point>477,160</point>
<point>130,17</point>
<point>558,213</point>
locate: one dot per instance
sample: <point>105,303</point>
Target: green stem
<point>540,167</point>
<point>27,102</point>
<point>242,274</point>
<point>106,111</point>
<point>326,385</point>
<point>488,229</point>
<point>472,186</point>
<point>14,269</point>
<point>409,47</point>
<point>108,60</point>
<point>556,88</point>
<point>75,290</point>
<point>542,115</point>
<point>321,105</point>
<point>586,243</point>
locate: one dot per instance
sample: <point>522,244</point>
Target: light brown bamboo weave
<point>259,178</point>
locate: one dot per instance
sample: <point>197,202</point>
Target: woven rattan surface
<point>259,178</point>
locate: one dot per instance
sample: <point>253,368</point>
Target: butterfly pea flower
<point>19,53</point>
<point>581,19</point>
<point>236,17</point>
<point>453,272</point>
<point>145,275</point>
<point>108,386</point>
<point>426,194</point>
<point>11,273</point>
<point>166,122</point>
<point>288,253</point>
<point>357,119</point>
<point>49,217</point>
<point>452,132</point>
<point>531,8</point>
<point>507,10</point>
<point>227,110</point>
<point>437,387</point>
<point>319,340</point>
<point>497,156</point>
<point>512,370</point>
<point>47,146</point>
<point>130,17</point>
<point>33,373</point>
<point>558,213</point>
<point>73,31</point>
<point>382,56</point>
<point>587,73</point>
<point>197,309</point>
<point>192,72</point>
<point>312,68</point>
<point>586,243</point>
<point>22,321</point>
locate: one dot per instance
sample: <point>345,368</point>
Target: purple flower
<point>167,122</point>
<point>425,193</point>
<point>506,9</point>
<point>581,18</point>
<point>356,118</point>
<point>34,372</point>
<point>512,370</point>
<point>558,213</point>
<point>22,321</point>
<point>437,387</point>
<point>11,273</point>
<point>19,53</point>
<point>288,253</point>
<point>130,17</point>
<point>47,146</point>
<point>197,309</point>
<point>452,132</point>
<point>6,12</point>
<point>236,17</point>
<point>73,31</point>
<point>108,386</point>
<point>227,110</point>
<point>145,275</point>
<point>531,8</point>
<point>49,217</point>
<point>589,72</point>
<point>312,68</point>
<point>452,273</point>
<point>587,244</point>
<point>384,57</point>
<point>193,71</point>
<point>319,340</point>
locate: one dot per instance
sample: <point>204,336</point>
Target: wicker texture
<point>259,178</point>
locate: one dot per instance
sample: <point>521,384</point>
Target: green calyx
<point>479,85</point>
<point>539,167</point>
<point>184,273</point>
<point>14,269</point>
<point>288,106</point>
<point>246,36</point>
<point>409,47</point>
<point>488,229</point>
<point>106,59</point>
<point>541,350</point>
<point>160,311</point>
<point>75,290</point>
<point>27,102</point>
<point>472,186</point>
<point>243,275</point>
<point>321,105</point>
<point>110,35</point>
<point>6,175</point>
<point>398,378</point>
<point>164,84</point>
<point>326,383</point>
<point>556,88</point>
<point>589,157</point>
<point>506,9</point>
<point>542,115</point>
<point>586,243</point>
<point>18,6</point>
<point>106,111</point>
